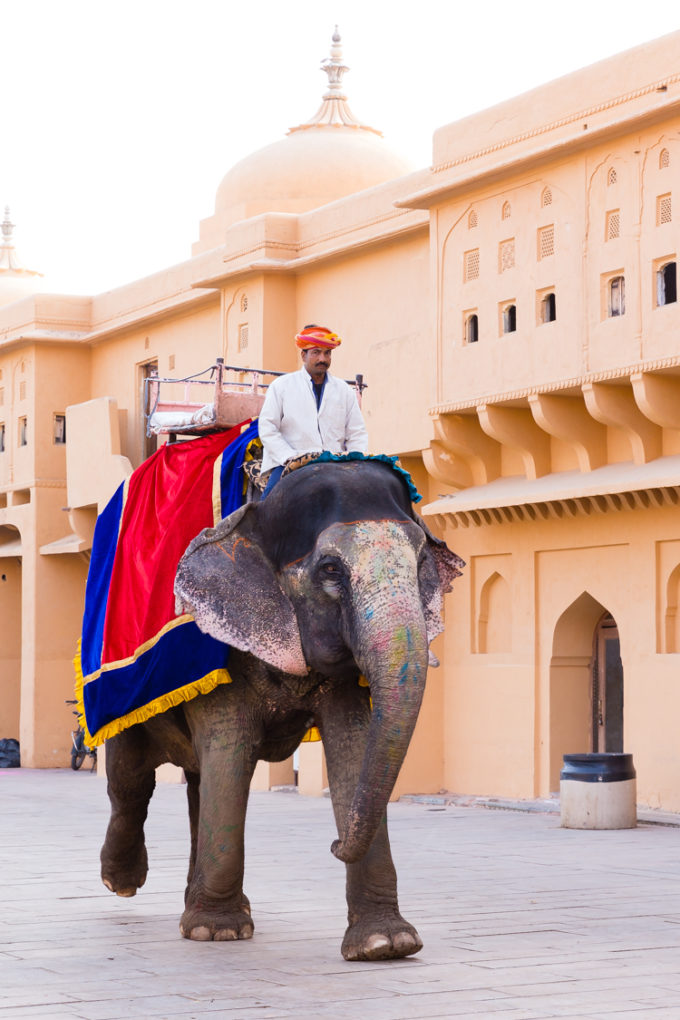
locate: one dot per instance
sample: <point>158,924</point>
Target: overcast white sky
<point>119,119</point>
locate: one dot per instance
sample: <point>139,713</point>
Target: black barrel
<point>607,767</point>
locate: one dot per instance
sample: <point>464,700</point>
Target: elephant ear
<point>227,583</point>
<point>436,572</point>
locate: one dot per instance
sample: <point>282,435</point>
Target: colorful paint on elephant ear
<point>137,656</point>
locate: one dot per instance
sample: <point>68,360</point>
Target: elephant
<point>328,592</point>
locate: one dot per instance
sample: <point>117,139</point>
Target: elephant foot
<point>124,877</point>
<point>217,924</point>
<point>381,938</point>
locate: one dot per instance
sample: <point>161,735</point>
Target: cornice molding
<point>296,247</point>
<point>559,509</point>
<point>543,152</point>
<point>604,375</point>
<point>300,262</point>
<point>626,97</point>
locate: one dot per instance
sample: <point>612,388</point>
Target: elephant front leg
<point>376,929</point>
<point>216,907</point>
<point>130,770</point>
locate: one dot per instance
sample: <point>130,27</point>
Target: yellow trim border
<point>311,736</point>
<point>120,663</point>
<point>204,685</point>
<point>217,490</point>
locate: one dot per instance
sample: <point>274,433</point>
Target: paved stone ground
<point>521,919</point>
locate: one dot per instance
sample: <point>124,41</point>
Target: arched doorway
<point>586,684</point>
<point>607,687</point>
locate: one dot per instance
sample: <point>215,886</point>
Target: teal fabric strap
<point>392,461</point>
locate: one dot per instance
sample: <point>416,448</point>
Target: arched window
<point>611,176</point>
<point>472,219</point>
<point>510,319</point>
<point>494,622</point>
<point>546,197</point>
<point>617,296</point>
<point>472,329</point>
<point>666,284</point>
<point>507,211</point>
<point>664,159</point>
<point>672,620</point>
<point>548,308</point>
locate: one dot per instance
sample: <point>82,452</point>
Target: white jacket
<point>290,423</point>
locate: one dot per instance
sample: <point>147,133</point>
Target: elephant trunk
<point>393,655</point>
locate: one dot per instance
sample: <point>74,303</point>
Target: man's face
<point>317,361</point>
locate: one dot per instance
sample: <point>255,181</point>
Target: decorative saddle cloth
<point>136,656</point>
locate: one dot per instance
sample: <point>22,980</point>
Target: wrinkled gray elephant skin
<point>331,578</point>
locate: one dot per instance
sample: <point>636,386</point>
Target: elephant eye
<point>330,570</point>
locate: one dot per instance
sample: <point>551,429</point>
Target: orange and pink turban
<point>316,336</point>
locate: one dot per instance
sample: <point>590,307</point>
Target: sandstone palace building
<point>513,309</point>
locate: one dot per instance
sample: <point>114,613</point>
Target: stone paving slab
<point>521,919</point>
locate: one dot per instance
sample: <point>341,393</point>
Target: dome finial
<point>334,111</point>
<point>7,228</point>
<point>334,68</point>
<point>15,281</point>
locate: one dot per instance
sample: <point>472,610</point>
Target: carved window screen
<point>546,241</point>
<point>506,255</point>
<point>664,210</point>
<point>471,265</point>
<point>613,224</point>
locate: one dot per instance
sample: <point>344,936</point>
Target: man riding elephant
<point>309,410</point>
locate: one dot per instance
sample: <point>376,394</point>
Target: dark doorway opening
<point>607,702</point>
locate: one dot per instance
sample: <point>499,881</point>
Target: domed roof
<point>326,158</point>
<point>15,281</point>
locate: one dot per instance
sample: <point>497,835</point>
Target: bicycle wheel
<point>77,759</point>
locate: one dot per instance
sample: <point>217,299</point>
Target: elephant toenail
<point>404,940</point>
<point>376,941</point>
<point>200,934</point>
<point>225,935</point>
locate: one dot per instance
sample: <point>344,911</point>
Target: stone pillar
<point>53,588</point>
<point>10,643</point>
<point>312,775</point>
<point>273,773</point>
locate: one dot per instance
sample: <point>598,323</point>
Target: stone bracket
<point>515,427</point>
<point>616,406</point>
<point>567,418</point>
<point>658,397</point>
